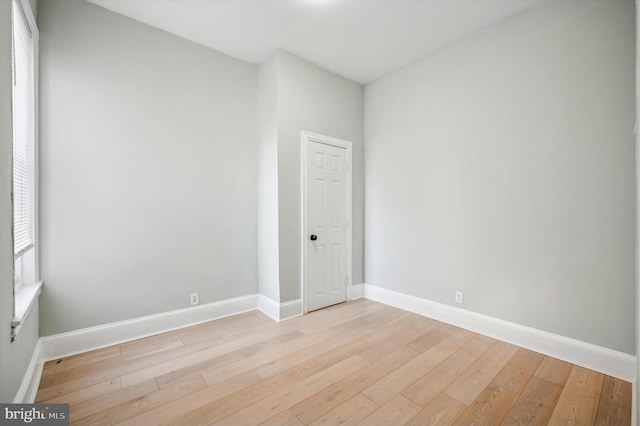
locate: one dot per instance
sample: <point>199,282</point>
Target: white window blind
<point>23,132</point>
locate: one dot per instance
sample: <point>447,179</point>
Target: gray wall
<point>14,357</point>
<point>313,99</point>
<point>148,170</point>
<point>268,235</point>
<point>503,166</point>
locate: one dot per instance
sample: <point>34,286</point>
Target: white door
<point>326,224</point>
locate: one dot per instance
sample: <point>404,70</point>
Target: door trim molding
<point>306,138</point>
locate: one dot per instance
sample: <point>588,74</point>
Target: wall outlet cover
<point>194,299</point>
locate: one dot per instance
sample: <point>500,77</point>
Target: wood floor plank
<point>535,403</point>
<point>112,399</point>
<point>79,360</point>
<point>350,412</point>
<point>87,375</point>
<point>335,315</point>
<point>303,349</point>
<point>229,325</point>
<point>195,362</point>
<point>363,343</point>
<point>204,335</point>
<point>236,362</point>
<point>519,370</point>
<point>437,333</point>
<point>117,414</point>
<point>329,398</point>
<point>186,405</point>
<point>286,418</point>
<point>491,406</point>
<point>285,399</point>
<point>257,324</point>
<point>578,401</point>
<point>553,370</point>
<point>474,379</point>
<point>398,411</point>
<point>395,340</point>
<point>385,389</point>
<point>486,338</point>
<point>426,388</point>
<point>87,393</point>
<point>359,362</point>
<point>322,342</point>
<point>245,321</point>
<point>149,346</point>
<point>218,408</point>
<point>614,407</point>
<point>441,411</point>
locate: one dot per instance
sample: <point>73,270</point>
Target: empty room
<point>294,212</point>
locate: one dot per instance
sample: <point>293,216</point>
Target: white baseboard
<point>78,341</point>
<point>604,360</point>
<point>356,291</point>
<point>290,309</point>
<point>29,388</point>
<point>269,307</point>
<point>279,311</point>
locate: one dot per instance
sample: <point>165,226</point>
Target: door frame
<point>307,138</point>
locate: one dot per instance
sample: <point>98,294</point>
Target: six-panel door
<point>327,221</point>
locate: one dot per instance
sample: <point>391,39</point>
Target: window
<point>24,192</point>
<point>23,132</point>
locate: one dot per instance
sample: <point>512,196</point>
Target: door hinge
<point>346,279</point>
<point>346,223</point>
<point>346,166</point>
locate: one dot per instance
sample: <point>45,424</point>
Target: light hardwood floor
<point>355,363</point>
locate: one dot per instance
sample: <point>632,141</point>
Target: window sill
<point>24,300</point>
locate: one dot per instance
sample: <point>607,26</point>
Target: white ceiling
<point>358,39</point>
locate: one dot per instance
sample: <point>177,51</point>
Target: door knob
<point>314,237</point>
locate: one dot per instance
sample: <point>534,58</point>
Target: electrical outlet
<point>194,299</point>
<point>458,297</point>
